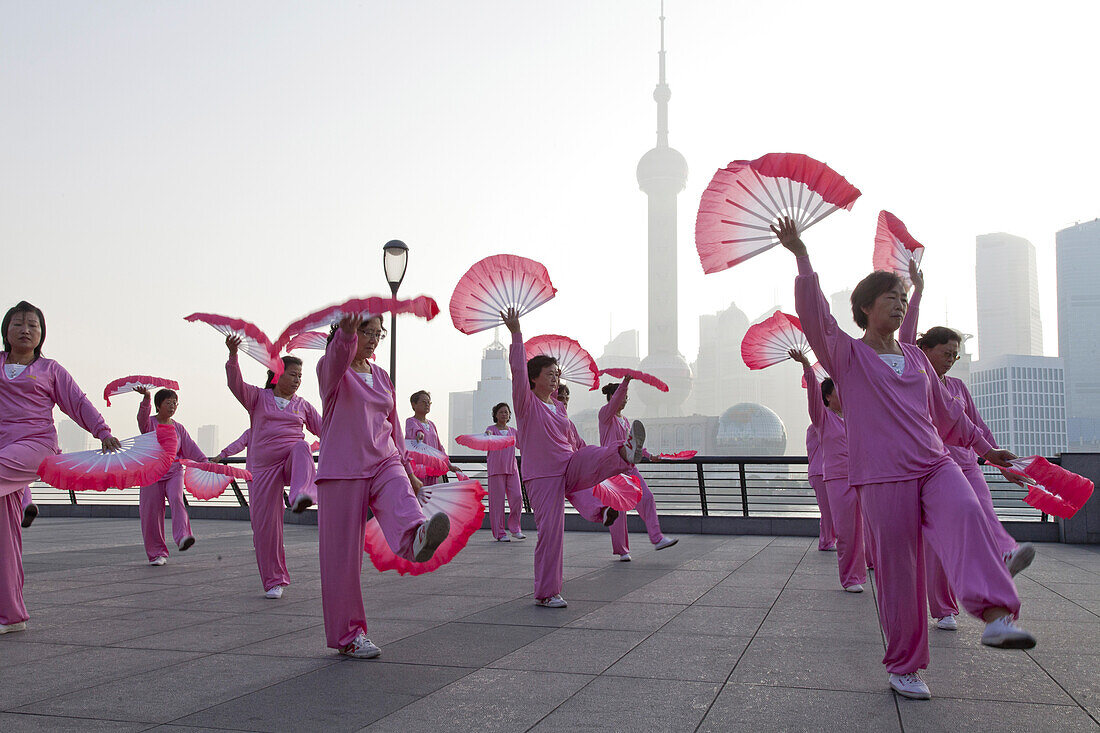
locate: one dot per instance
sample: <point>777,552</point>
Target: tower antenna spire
<point>662,93</point>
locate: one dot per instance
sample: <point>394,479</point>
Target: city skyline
<point>176,158</point>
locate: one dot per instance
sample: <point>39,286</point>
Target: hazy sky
<point>251,158</point>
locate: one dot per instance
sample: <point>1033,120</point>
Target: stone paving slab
<point>719,633</point>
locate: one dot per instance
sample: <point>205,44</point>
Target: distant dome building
<point>749,429</point>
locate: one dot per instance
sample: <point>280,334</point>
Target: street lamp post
<point>395,258</point>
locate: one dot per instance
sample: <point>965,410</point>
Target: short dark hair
<point>24,307</point>
<point>609,389</point>
<point>496,409</point>
<point>826,389</point>
<point>563,388</point>
<point>536,364</point>
<point>287,361</point>
<point>415,396</point>
<point>937,335</point>
<point>868,290</point>
<point>162,395</point>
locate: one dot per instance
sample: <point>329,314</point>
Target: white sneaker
<point>608,516</point>
<point>947,623</point>
<point>554,601</point>
<point>857,588</point>
<point>274,593</point>
<point>1005,634</point>
<point>666,542</point>
<point>12,628</point>
<point>361,648</point>
<point>1020,558</point>
<point>519,536</point>
<point>625,557</point>
<point>910,685</point>
<point>158,560</point>
<point>186,543</point>
<point>300,504</point>
<point>430,536</point>
<point>505,538</point>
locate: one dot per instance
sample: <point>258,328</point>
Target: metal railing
<point>739,486</point>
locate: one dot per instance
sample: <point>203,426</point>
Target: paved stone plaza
<point>718,633</point>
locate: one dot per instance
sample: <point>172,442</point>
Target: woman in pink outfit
<point>420,428</point>
<point>30,386</point>
<point>826,414</point>
<point>170,486</point>
<point>615,429</point>
<point>941,345</point>
<point>553,469</point>
<point>503,473</point>
<point>362,468</point>
<point>815,475</point>
<point>897,415</point>
<point>278,456</point>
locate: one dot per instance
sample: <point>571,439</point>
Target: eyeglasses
<point>374,334</point>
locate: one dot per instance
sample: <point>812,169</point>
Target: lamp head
<point>395,258</point>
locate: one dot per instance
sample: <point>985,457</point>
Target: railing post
<point>702,488</point>
<point>72,497</point>
<point>237,491</point>
<point>744,490</point>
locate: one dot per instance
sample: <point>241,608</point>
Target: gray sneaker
<point>637,434</point>
<point>361,648</point>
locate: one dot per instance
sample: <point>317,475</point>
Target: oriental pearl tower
<point>662,175</point>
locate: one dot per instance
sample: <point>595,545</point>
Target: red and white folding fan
<point>576,364</point>
<point>494,285</point>
<point>209,480</point>
<point>315,446</point>
<point>1051,489</point>
<point>895,247</point>
<point>124,385</point>
<point>746,197</point>
<point>421,306</point>
<point>308,340</point>
<point>486,442</point>
<point>461,501</point>
<point>643,377</point>
<point>622,492</point>
<point>138,462</point>
<point>254,342</point>
<point>767,343</point>
<point>681,456</point>
<point>427,462</point>
<point>819,373</point>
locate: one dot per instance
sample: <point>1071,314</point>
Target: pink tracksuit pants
<point>826,536</point>
<point>151,500</point>
<point>647,510</point>
<point>586,468</point>
<point>12,608</point>
<point>265,509</point>
<point>939,507</point>
<point>974,475</point>
<point>342,506</point>
<point>501,486</point>
<point>847,520</point>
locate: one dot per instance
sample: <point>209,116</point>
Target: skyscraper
<point>662,175</point>
<point>1078,253</point>
<point>471,411</point>
<point>208,440</point>
<point>1022,400</point>
<point>1008,297</point>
